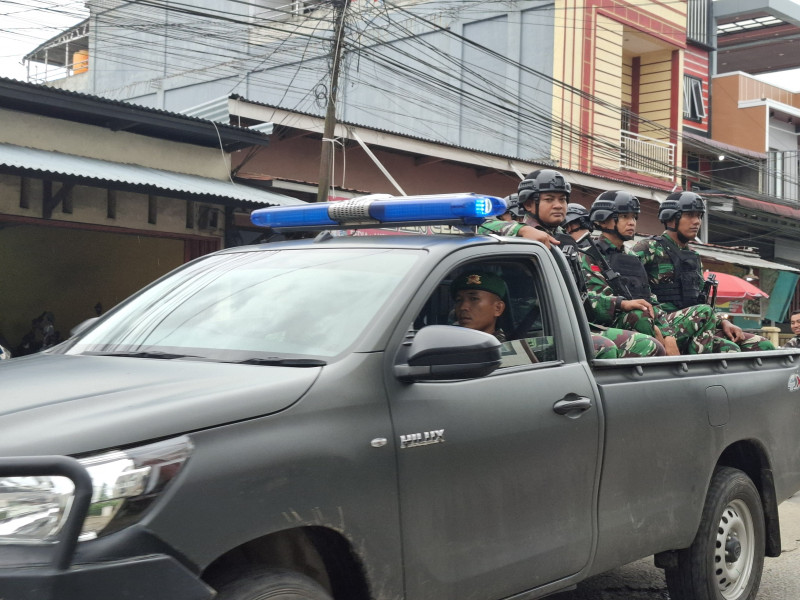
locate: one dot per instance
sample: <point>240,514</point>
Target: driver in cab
<point>478,297</point>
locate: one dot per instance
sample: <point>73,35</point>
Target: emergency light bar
<point>382,210</point>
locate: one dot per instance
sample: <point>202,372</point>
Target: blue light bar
<point>382,210</point>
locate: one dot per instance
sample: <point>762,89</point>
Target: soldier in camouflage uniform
<point>794,323</point>
<point>544,195</point>
<point>509,224</point>
<point>479,303</point>
<point>618,284</point>
<point>675,275</point>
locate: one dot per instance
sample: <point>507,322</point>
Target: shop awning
<point>92,171</point>
<point>740,258</point>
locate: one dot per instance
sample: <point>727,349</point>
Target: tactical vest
<point>631,273</point>
<point>687,280</point>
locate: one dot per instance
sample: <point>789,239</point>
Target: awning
<point>92,171</point>
<point>691,140</point>
<point>740,258</point>
<point>770,207</point>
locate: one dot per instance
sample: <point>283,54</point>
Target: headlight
<point>125,482</point>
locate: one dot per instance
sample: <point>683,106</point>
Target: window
<point>693,107</point>
<point>524,325</point>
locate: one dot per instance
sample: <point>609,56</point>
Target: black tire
<point>272,584</point>
<point>726,559</point>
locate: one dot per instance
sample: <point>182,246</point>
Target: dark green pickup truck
<point>300,420</point>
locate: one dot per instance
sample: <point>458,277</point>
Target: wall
<point>59,135</point>
<point>589,47</point>
<point>657,96</point>
<point>398,79</point>
<point>68,271</point>
<point>695,63</point>
<point>742,127</point>
<point>608,89</point>
<point>90,205</point>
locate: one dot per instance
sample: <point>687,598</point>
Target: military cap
<point>479,280</point>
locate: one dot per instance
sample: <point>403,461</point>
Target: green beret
<point>479,280</point>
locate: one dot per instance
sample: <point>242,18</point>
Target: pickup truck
<point>301,420</point>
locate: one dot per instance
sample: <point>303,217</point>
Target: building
<point>99,198</point>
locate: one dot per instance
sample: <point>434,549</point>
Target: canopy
<point>731,287</point>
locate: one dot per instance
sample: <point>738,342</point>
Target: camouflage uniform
<point>793,343</point>
<point>511,228</point>
<point>709,336</point>
<point>628,344</point>
<point>608,343</point>
<point>500,227</point>
<point>692,327</point>
<point>606,304</point>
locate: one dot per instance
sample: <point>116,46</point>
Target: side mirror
<point>82,326</point>
<point>442,352</point>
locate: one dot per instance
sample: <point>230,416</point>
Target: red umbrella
<point>735,288</point>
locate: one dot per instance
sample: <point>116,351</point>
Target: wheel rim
<point>734,550</point>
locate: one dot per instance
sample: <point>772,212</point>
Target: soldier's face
<point>626,224</point>
<point>689,224</point>
<point>795,324</point>
<point>478,309</point>
<point>552,208</point>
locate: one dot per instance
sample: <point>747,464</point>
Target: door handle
<point>572,405</point>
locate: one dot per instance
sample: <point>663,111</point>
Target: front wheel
<point>272,584</point>
<point>727,556</point>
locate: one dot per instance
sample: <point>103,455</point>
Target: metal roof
<point>124,116</point>
<point>740,258</point>
<point>92,171</point>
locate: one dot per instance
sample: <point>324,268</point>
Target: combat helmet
<point>539,181</point>
<point>613,203</point>
<point>678,203</point>
<point>576,213</point>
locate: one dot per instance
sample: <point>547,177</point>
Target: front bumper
<point>155,577</point>
<point>51,572</point>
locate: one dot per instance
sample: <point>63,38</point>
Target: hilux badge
<point>422,439</point>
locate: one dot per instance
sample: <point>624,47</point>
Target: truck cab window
<point>502,297</point>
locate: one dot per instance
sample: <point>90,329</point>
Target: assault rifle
<point>613,278</point>
<point>708,293</point>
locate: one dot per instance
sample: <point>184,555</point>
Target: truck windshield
<point>264,307</point>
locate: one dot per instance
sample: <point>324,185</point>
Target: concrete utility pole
<point>326,159</point>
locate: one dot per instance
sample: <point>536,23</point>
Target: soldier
<point>794,323</point>
<point>508,224</point>
<point>479,301</point>
<point>616,283</point>
<point>544,196</point>
<point>675,274</point>
<point>577,223</point>
<point>478,297</point>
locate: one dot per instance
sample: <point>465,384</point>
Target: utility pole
<point>326,159</point>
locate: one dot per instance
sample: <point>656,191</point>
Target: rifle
<point>611,276</point>
<point>708,293</point>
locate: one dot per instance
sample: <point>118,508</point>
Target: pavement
<point>643,581</point>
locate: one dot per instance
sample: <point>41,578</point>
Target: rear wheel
<point>727,556</point>
<point>272,584</point>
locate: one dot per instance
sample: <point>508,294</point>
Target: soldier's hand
<point>733,332</point>
<point>671,346</point>
<point>638,304</point>
<point>538,235</point>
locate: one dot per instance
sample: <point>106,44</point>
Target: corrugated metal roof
<point>95,170</point>
<point>739,258</point>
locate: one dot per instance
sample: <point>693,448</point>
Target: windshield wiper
<point>282,362</point>
<point>143,354</point>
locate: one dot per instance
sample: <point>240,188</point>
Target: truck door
<point>496,487</point>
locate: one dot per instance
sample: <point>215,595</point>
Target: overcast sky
<point>24,24</point>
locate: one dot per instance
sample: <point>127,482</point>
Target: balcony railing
<point>647,155</point>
